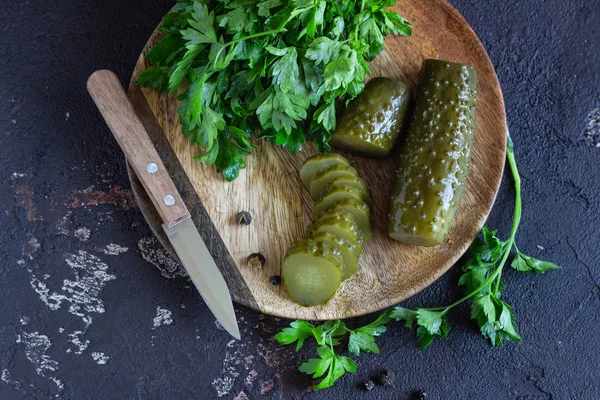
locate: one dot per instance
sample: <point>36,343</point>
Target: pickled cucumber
<point>350,251</point>
<point>357,183</point>
<point>312,271</point>
<point>371,124</point>
<point>318,163</point>
<point>324,178</point>
<point>359,210</point>
<point>435,159</point>
<point>342,224</point>
<point>333,194</point>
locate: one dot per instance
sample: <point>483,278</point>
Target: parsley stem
<point>234,41</point>
<point>518,205</point>
<point>255,35</point>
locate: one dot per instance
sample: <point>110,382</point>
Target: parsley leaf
<point>404,314</point>
<point>202,26</point>
<point>322,50</point>
<point>325,116</point>
<point>298,331</point>
<point>155,77</point>
<point>528,265</point>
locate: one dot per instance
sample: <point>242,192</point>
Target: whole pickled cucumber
<point>371,124</point>
<point>435,159</point>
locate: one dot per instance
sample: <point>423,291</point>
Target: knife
<point>120,116</point>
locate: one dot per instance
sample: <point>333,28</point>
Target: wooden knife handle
<point>115,107</point>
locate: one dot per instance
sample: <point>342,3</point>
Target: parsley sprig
<point>274,66</point>
<point>482,279</point>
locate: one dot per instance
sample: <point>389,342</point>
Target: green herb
<point>281,67</point>
<point>482,279</point>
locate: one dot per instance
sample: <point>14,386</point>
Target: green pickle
<point>324,179</point>
<point>340,223</point>
<point>371,124</point>
<point>312,271</point>
<point>435,159</point>
<point>350,251</point>
<point>335,193</point>
<point>315,164</point>
<point>358,209</point>
<point>357,183</point>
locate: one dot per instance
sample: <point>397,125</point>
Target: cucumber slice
<point>340,223</point>
<point>315,164</point>
<point>335,193</point>
<point>349,250</point>
<point>324,178</point>
<point>357,183</point>
<point>311,271</point>
<point>357,208</point>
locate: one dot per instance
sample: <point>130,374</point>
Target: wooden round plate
<point>270,188</point>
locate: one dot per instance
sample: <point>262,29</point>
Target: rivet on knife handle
<point>115,107</point>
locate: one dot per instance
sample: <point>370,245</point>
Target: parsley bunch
<point>482,278</point>
<point>277,66</point>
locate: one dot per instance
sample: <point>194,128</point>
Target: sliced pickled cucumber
<point>350,251</point>
<point>339,191</point>
<point>324,178</point>
<point>340,223</point>
<point>355,182</point>
<point>359,210</point>
<point>311,271</point>
<point>333,194</point>
<point>315,164</point>
<point>371,124</point>
<point>434,161</point>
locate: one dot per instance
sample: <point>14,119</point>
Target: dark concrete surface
<point>84,314</point>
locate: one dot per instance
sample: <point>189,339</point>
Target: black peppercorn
<point>386,378</point>
<point>421,395</point>
<point>275,280</point>
<point>256,260</point>
<point>243,218</point>
<point>369,385</point>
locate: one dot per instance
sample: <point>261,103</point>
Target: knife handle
<point>118,112</point>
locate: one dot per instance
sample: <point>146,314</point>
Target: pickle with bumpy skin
<point>435,159</point>
<point>372,122</point>
<point>323,179</point>
<point>350,251</point>
<point>357,183</point>
<point>312,271</point>
<point>340,223</point>
<point>333,194</point>
<point>358,209</point>
<point>315,164</point>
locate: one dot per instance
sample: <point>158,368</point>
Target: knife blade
<point>203,272</point>
<point>120,116</point>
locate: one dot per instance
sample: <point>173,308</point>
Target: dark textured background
<point>66,304</point>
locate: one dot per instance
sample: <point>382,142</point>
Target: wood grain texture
<point>270,188</point>
<point>115,107</point>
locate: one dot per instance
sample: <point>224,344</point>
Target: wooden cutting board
<point>271,191</point>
